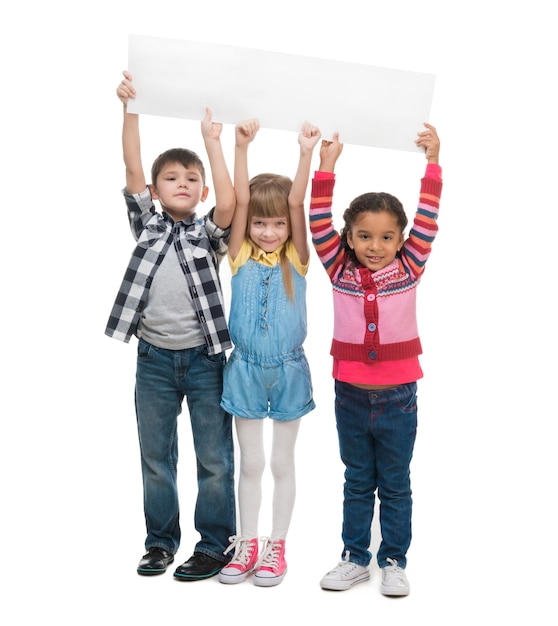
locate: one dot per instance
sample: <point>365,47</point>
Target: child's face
<point>179,190</point>
<point>269,232</point>
<point>376,238</point>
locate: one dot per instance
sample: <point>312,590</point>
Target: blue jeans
<point>163,379</point>
<point>377,431</point>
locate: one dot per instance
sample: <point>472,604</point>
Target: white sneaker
<point>345,575</point>
<point>394,580</point>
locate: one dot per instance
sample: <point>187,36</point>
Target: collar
<point>187,221</point>
<point>267,258</point>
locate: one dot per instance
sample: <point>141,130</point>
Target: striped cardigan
<point>375,312</point>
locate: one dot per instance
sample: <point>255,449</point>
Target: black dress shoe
<point>198,567</point>
<point>154,562</point>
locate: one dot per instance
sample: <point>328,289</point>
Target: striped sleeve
<point>325,238</point>
<point>418,246</point>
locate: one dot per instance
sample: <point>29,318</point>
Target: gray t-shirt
<point>169,319</point>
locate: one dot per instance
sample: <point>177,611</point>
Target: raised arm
<point>244,134</point>
<point>330,151</point>
<point>131,149</point>
<point>326,239</point>
<point>418,245</point>
<point>307,139</point>
<point>222,184</point>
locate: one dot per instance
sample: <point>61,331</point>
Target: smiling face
<point>375,237</point>
<point>269,233</point>
<point>179,189</point>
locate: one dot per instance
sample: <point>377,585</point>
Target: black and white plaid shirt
<point>200,245</point>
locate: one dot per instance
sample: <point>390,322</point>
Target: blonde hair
<point>269,197</point>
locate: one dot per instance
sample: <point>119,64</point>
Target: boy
<point>171,300</point>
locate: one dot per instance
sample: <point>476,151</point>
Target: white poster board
<point>369,106</point>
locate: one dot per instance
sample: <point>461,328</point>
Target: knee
<point>282,465</point>
<point>252,463</point>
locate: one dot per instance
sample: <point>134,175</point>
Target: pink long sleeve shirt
<point>375,334</point>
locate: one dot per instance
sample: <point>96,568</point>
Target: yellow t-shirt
<point>266,258</point>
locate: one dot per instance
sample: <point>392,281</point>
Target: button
<point>372,354</point>
<point>371,327</point>
<point>370,297</point>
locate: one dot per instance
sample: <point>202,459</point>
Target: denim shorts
<point>279,388</point>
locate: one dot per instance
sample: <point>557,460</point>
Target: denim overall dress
<point>267,373</point>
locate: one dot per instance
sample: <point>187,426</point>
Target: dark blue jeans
<point>163,379</point>
<point>377,431</point>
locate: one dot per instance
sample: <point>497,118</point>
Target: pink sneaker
<point>273,566</point>
<point>243,562</point>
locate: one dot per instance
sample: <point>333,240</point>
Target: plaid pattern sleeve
<point>140,209</point>
<point>199,243</point>
<point>153,237</point>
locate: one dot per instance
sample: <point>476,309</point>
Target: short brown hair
<point>186,158</point>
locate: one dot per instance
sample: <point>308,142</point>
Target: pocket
<point>214,360</point>
<point>144,349</point>
<point>408,402</point>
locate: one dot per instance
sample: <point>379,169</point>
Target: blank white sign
<point>368,105</point>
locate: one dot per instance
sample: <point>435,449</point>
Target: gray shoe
<point>394,580</point>
<point>345,575</point>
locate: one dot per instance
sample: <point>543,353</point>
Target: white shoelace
<point>345,567</point>
<point>243,550</point>
<point>271,552</point>
<point>393,574</point>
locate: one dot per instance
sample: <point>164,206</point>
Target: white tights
<point>252,465</point>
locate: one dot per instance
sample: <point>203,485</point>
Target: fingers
<point>309,130</point>
<point>210,129</point>
<point>334,140</point>
<point>126,89</point>
<point>429,133</point>
<point>248,128</point>
<point>427,137</point>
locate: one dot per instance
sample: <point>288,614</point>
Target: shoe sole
<point>261,581</point>
<point>151,572</point>
<point>187,577</point>
<point>394,591</point>
<point>233,579</point>
<point>343,585</point>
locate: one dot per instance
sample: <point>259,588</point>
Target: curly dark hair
<point>375,202</point>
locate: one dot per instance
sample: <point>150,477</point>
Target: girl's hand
<point>246,131</point>
<point>309,136</point>
<point>428,139</point>
<point>329,153</point>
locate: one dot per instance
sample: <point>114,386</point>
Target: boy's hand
<point>126,89</point>
<point>329,153</point>
<point>428,139</point>
<point>246,131</point>
<point>210,129</point>
<point>308,136</point>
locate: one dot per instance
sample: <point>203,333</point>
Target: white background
<point>484,471</point>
